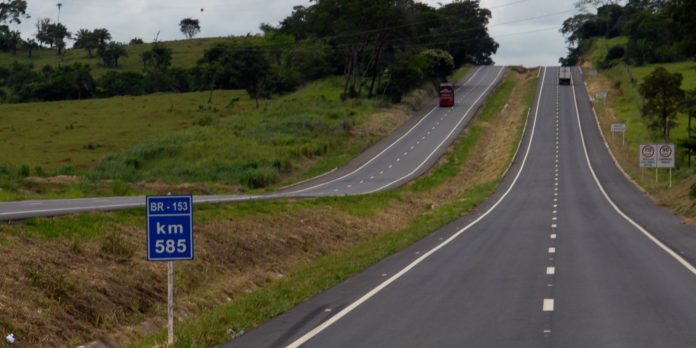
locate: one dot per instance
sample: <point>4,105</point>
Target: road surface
<point>566,253</point>
<point>406,154</point>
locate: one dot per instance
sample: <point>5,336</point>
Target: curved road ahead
<point>406,154</point>
<point>566,253</point>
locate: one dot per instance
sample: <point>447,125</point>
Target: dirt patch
<point>67,291</point>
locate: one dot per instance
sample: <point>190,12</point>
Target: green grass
<point>600,47</point>
<point>79,133</point>
<point>253,148</point>
<point>180,138</point>
<point>629,103</point>
<point>211,327</point>
<point>185,54</point>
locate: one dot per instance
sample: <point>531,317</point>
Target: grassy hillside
<point>624,105</point>
<point>185,54</point>
<point>78,134</point>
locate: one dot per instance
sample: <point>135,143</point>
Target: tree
<point>13,11</point>
<point>690,109</point>
<point>30,45</point>
<point>158,59</point>
<point>103,36</point>
<point>111,52</point>
<point>190,27</point>
<point>663,97</point>
<point>52,34</point>
<point>250,70</point>
<point>87,40</point>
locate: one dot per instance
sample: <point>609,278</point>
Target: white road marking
<point>446,138</point>
<point>385,149</point>
<point>372,177</point>
<point>411,147</point>
<point>554,218</point>
<point>390,166</point>
<point>548,305</point>
<point>362,181</point>
<point>553,226</point>
<point>381,172</point>
<point>554,212</point>
<point>550,270</point>
<point>321,327</point>
<point>553,236</point>
<point>398,159</point>
<point>349,186</point>
<point>640,228</point>
<point>405,153</point>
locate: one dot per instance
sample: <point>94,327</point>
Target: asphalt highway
<point>409,152</point>
<point>566,253</point>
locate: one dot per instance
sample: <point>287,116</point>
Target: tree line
<point>383,48</point>
<point>657,30</point>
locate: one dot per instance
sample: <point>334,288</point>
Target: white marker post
<point>170,303</point>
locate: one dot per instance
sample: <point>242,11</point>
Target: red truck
<point>446,93</point>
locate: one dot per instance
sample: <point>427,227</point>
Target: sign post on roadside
<point>169,238</point>
<point>619,127</point>
<point>665,158</point>
<point>648,158</point>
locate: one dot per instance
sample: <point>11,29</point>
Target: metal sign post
<point>619,127</point>
<point>169,238</point>
<point>666,158</point>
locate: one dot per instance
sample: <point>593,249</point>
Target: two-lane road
<point>553,260</point>
<point>406,154</point>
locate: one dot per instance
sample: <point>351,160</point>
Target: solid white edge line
<point>381,152</point>
<point>464,117</point>
<point>618,210</point>
<point>321,327</point>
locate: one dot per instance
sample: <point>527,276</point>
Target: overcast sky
<point>527,34</point>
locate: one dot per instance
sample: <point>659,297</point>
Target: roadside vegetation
<point>310,86</point>
<point>254,260</point>
<point>642,54</point>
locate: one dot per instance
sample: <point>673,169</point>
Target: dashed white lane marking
<point>335,190</point>
<point>345,311</point>
<point>327,310</point>
<point>417,142</point>
<point>555,211</point>
<point>554,218</point>
<point>398,159</point>
<point>381,172</point>
<point>390,166</point>
<point>405,153</point>
<point>411,147</point>
<point>548,305</point>
<point>550,270</point>
<point>372,177</point>
<point>555,199</point>
<point>36,203</point>
<point>553,226</point>
<point>362,181</point>
<point>349,186</point>
<point>553,236</point>
<point>552,250</point>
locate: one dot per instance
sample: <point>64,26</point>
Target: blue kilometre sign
<point>169,228</point>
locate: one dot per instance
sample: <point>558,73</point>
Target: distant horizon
<point>527,30</point>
